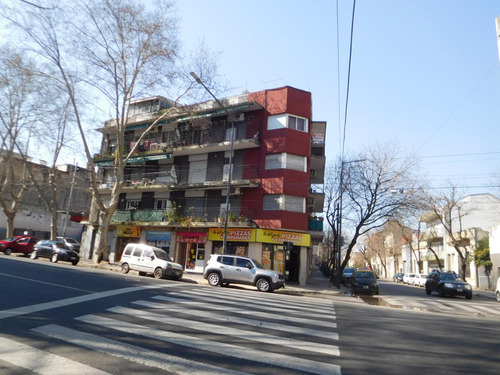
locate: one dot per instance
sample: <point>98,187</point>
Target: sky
<point>425,74</point>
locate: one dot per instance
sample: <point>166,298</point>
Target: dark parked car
<point>398,277</point>
<point>18,244</point>
<point>364,282</point>
<point>55,251</point>
<point>447,283</point>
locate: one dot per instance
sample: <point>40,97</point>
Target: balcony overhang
<point>109,162</point>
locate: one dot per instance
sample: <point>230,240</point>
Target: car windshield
<point>364,275</point>
<point>257,264</point>
<point>161,254</point>
<point>70,240</point>
<point>10,239</point>
<point>61,245</point>
<point>450,276</point>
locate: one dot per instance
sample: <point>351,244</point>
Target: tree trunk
<point>437,258</point>
<point>10,224</point>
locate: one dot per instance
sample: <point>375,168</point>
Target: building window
<point>133,204</point>
<point>287,121</point>
<point>286,161</point>
<point>162,204</point>
<point>282,202</point>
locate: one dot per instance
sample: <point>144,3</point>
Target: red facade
<point>279,181</point>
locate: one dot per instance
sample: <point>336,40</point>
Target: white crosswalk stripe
<point>444,305</point>
<point>272,332</point>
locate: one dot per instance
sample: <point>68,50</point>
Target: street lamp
<point>230,175</point>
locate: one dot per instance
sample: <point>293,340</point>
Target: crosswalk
<point>446,305</point>
<point>196,331</point>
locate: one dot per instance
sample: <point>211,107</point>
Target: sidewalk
<point>317,284</point>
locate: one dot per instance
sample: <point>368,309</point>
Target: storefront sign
<point>128,231</point>
<point>278,237</point>
<point>157,235</point>
<point>233,234</point>
<point>192,237</point>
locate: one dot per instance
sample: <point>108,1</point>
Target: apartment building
<point>183,179</point>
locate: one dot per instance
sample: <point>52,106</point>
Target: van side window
<point>242,262</point>
<point>137,252</point>
<point>148,253</point>
<point>128,250</point>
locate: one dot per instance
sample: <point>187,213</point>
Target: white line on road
<point>239,352</point>
<point>41,362</point>
<point>133,353</point>
<point>234,332</point>
<point>246,321</point>
<point>270,314</point>
<point>4,314</point>
<point>44,282</point>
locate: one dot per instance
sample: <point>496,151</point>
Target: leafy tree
<point>482,255</point>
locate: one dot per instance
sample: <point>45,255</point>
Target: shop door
<point>293,265</point>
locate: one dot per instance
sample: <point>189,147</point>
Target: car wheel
<point>8,251</point>
<point>75,262</point>
<point>54,258</point>
<point>264,285</point>
<point>498,296</point>
<point>213,279</point>
<point>33,255</point>
<point>125,268</point>
<point>468,296</point>
<point>440,292</point>
<point>428,291</point>
<point>158,273</point>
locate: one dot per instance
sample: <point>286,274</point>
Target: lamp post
<point>230,174</point>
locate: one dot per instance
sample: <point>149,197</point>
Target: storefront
<point>125,234</point>
<point>191,250</point>
<point>274,255</point>
<point>237,240</point>
<point>160,239</point>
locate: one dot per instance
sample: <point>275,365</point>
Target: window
<point>286,161</point>
<point>162,204</point>
<point>282,202</point>
<point>287,121</point>
<point>133,204</point>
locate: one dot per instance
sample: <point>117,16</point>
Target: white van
<point>149,259</point>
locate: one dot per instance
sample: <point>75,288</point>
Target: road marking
<point>44,282</point>
<point>269,314</point>
<point>4,314</point>
<point>240,352</point>
<point>229,331</point>
<point>133,353</point>
<point>487,309</point>
<point>41,362</point>
<point>319,313</point>
<point>250,322</point>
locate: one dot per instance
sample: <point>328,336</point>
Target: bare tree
<point>113,51</point>
<point>449,209</point>
<point>366,188</point>
<point>19,112</point>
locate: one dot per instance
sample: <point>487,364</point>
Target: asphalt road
<point>60,319</point>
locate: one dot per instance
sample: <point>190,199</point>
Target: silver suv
<point>225,269</point>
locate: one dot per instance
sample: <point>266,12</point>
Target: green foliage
<point>482,253</point>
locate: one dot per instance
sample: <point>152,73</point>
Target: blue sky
<point>425,73</point>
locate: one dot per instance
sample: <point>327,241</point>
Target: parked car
<point>18,244</point>
<point>497,291</point>
<point>226,269</point>
<point>70,242</point>
<point>364,282</point>
<point>398,277</point>
<point>447,283</point>
<point>55,251</point>
<point>420,279</point>
<point>408,278</point>
<point>149,260</point>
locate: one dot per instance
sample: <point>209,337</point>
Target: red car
<point>18,244</point>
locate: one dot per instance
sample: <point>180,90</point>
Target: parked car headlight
<point>467,286</point>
